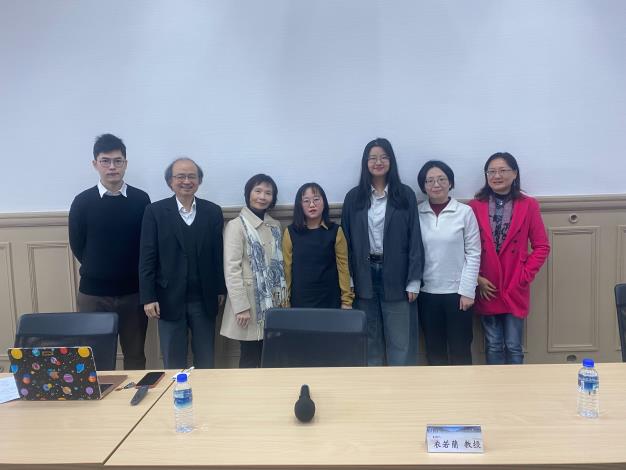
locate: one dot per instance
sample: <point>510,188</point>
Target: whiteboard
<point>296,89</point>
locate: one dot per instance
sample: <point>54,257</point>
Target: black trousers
<point>250,354</point>
<point>174,338</point>
<point>132,324</point>
<point>448,331</point>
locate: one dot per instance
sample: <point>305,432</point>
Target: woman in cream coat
<point>253,269</point>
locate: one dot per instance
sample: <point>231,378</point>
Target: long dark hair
<point>516,190</point>
<point>396,195</point>
<point>299,219</point>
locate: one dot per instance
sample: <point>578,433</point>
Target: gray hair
<point>170,169</point>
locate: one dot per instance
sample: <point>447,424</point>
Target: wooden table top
<point>61,434</point>
<point>377,417</point>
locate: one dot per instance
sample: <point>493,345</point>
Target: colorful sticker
<point>55,373</point>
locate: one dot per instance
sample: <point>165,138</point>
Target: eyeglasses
<point>117,162</point>
<point>381,159</point>
<point>501,172</point>
<point>441,181</point>
<point>182,177</point>
<point>316,201</point>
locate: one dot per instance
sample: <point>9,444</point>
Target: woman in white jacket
<point>253,269</point>
<point>452,258</point>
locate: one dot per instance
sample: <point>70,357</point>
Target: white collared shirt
<point>376,220</point>
<point>102,190</point>
<point>187,215</point>
<point>376,230</point>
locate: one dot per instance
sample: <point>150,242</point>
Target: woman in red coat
<point>508,220</point>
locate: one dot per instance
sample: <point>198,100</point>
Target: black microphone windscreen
<point>304,407</point>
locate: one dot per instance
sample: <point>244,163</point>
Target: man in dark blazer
<point>181,272</point>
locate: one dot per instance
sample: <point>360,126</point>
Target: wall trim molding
<point>594,245</point>
<point>7,248</point>
<point>31,248</point>
<point>548,204</point>
<point>599,220</point>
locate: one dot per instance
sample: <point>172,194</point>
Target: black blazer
<point>162,259</point>
<point>402,246</point>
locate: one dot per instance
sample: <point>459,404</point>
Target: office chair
<point>98,330</point>
<point>620,305</point>
<point>314,337</point>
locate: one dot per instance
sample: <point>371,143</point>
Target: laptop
<point>59,373</point>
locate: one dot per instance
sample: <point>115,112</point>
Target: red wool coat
<point>513,269</point>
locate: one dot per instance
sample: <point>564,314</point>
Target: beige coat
<point>238,274</point>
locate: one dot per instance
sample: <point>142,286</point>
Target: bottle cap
<point>181,378</point>
<point>588,363</point>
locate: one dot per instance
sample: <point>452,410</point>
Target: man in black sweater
<point>104,231</point>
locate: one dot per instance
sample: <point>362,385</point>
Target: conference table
<point>376,418</point>
<point>373,418</point>
<point>71,434</point>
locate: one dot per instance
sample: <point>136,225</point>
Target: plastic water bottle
<point>183,404</point>
<point>588,389</point>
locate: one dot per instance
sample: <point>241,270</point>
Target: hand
<point>486,289</point>
<point>346,307</point>
<point>152,310</point>
<point>465,303</point>
<point>411,296</point>
<point>220,300</point>
<point>243,318</point>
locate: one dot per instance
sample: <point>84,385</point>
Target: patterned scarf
<point>500,213</point>
<point>270,287</point>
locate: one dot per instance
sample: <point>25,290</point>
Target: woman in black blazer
<point>381,224</point>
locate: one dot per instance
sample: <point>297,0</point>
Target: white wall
<point>296,88</point>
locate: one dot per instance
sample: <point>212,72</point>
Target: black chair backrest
<point>620,304</point>
<point>98,330</point>
<point>312,337</point>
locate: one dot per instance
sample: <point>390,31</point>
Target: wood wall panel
<point>621,253</point>
<point>572,308</point>
<point>52,280</point>
<point>573,305</point>
<point>620,275</point>
<point>8,317</point>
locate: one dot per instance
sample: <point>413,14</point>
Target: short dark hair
<point>299,219</point>
<point>396,194</point>
<point>516,189</point>
<point>106,143</point>
<point>255,181</point>
<point>169,171</point>
<point>421,176</point>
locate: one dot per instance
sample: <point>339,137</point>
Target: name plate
<point>454,438</point>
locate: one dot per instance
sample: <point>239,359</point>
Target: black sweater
<point>104,236</point>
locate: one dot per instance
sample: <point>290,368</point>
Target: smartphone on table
<point>150,379</point>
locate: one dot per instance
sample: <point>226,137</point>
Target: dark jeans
<point>250,357</point>
<point>447,330</point>
<point>174,338</point>
<point>389,332</point>
<point>132,324</point>
<point>503,338</point>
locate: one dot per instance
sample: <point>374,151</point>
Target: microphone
<point>305,407</point>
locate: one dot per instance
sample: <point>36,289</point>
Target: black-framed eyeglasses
<point>117,162</point>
